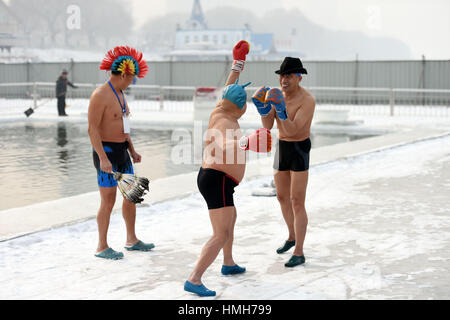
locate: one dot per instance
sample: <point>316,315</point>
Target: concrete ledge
<point>17,222</point>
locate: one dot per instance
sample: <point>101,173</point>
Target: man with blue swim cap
<point>236,94</point>
<point>222,170</point>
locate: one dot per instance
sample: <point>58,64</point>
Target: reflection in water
<point>61,141</point>
<point>29,129</point>
<point>324,140</point>
<point>55,169</point>
<point>318,140</point>
<point>61,136</point>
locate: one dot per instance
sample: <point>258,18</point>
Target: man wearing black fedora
<point>293,108</point>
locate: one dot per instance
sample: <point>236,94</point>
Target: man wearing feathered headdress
<point>109,131</point>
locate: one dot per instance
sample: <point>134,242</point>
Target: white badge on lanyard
<point>126,124</point>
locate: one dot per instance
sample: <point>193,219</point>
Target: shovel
<point>30,111</point>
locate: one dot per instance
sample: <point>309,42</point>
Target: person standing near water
<point>61,90</point>
<point>109,132</point>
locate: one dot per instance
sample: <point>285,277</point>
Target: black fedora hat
<point>291,65</point>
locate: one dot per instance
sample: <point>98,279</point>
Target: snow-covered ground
<point>379,228</point>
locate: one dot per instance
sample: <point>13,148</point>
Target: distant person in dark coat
<point>61,89</point>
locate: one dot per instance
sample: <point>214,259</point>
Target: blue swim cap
<point>236,94</point>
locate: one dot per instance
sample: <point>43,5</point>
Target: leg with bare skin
<point>228,247</point>
<point>229,267</point>
<point>299,182</point>
<point>108,199</point>
<point>282,181</point>
<point>222,222</point>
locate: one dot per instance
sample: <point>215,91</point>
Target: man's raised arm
<point>240,51</point>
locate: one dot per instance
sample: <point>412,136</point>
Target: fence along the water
<point>414,74</point>
<point>382,101</point>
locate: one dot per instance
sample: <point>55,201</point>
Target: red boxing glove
<point>240,51</point>
<point>258,141</point>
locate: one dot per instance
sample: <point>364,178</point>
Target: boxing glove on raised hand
<point>275,98</point>
<point>240,51</point>
<point>258,141</point>
<point>259,100</point>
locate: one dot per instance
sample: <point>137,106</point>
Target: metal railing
<point>377,101</point>
<point>382,101</point>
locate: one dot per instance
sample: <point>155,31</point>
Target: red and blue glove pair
<point>259,100</point>
<point>264,98</point>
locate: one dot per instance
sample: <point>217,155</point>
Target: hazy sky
<point>424,25</point>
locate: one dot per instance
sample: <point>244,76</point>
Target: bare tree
<point>42,19</point>
<point>102,21</point>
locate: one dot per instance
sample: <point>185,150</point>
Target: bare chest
<point>113,110</point>
<point>293,106</point>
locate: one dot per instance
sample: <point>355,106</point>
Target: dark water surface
<point>41,161</point>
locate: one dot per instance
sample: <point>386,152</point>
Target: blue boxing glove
<point>259,99</point>
<point>276,99</point>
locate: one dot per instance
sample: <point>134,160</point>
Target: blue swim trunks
<point>117,153</point>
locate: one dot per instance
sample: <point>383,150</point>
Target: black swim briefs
<point>216,187</point>
<point>292,155</point>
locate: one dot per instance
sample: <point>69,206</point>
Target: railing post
<point>34,94</point>
<point>392,102</point>
<point>161,98</point>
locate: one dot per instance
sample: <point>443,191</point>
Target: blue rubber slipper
<point>199,289</point>
<point>109,254</point>
<point>140,246</point>
<point>227,270</point>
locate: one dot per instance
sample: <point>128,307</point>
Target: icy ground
<point>379,228</point>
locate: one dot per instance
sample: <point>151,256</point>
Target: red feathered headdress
<point>125,60</point>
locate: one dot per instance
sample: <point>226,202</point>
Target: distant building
<point>196,40</point>
<point>11,33</point>
<point>197,36</point>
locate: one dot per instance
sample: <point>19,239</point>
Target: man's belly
<point>299,136</point>
<point>237,171</point>
<point>113,132</point>
<point>295,138</point>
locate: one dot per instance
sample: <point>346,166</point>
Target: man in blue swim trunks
<point>109,133</point>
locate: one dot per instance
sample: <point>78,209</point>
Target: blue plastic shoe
<point>227,270</point>
<point>201,290</point>
<point>140,246</point>
<point>110,254</point>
